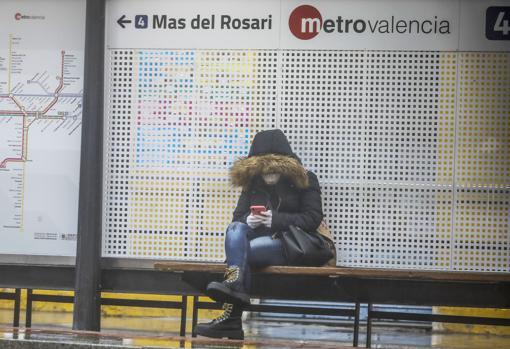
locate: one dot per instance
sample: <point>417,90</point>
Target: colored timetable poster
<point>400,108</point>
<point>41,90</point>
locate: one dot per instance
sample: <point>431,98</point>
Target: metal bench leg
<point>194,317</point>
<point>184,308</point>
<point>17,303</point>
<point>356,325</point>
<point>369,325</point>
<point>28,311</point>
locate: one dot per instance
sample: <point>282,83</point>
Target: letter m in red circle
<point>305,22</point>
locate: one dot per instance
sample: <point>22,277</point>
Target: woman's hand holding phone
<point>267,218</point>
<point>255,218</point>
<point>253,221</point>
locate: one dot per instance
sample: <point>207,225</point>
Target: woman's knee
<point>236,229</point>
<point>236,226</point>
<point>266,251</point>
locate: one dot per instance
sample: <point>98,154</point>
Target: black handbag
<point>303,248</point>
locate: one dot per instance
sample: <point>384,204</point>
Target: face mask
<point>271,178</point>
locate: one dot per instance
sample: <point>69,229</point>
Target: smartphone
<point>256,210</point>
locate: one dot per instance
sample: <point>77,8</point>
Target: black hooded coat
<point>294,200</point>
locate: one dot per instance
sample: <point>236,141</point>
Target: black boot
<point>228,324</point>
<point>231,290</point>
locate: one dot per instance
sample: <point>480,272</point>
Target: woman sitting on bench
<point>271,176</point>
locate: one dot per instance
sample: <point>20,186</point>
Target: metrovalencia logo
<point>18,16</point>
<point>306,22</point>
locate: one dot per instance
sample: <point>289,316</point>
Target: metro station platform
<point>67,339</point>
<point>259,335</point>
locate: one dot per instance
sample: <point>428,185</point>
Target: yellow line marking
<point>25,158</point>
<point>23,199</point>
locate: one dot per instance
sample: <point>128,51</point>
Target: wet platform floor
<point>53,331</point>
<point>66,339</point>
<point>264,338</point>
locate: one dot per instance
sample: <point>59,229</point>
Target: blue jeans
<point>247,248</point>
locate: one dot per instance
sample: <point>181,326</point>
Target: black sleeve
<point>243,208</point>
<point>310,216</point>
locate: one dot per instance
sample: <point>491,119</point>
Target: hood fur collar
<point>245,169</point>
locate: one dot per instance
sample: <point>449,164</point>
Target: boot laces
<point>227,311</point>
<point>232,274</point>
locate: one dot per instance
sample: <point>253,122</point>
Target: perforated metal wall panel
<point>412,150</point>
<point>481,235</point>
<point>176,122</point>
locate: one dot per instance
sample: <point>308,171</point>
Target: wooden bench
<point>361,285</point>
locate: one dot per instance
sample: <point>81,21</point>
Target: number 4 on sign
<point>502,25</point>
<point>141,21</point>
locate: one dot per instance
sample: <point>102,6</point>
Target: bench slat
<point>343,271</point>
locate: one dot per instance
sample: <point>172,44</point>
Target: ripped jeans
<point>247,248</point>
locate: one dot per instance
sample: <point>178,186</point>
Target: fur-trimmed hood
<point>246,169</point>
<point>270,152</point>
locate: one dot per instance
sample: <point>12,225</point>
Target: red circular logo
<point>17,16</point>
<point>305,22</point>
